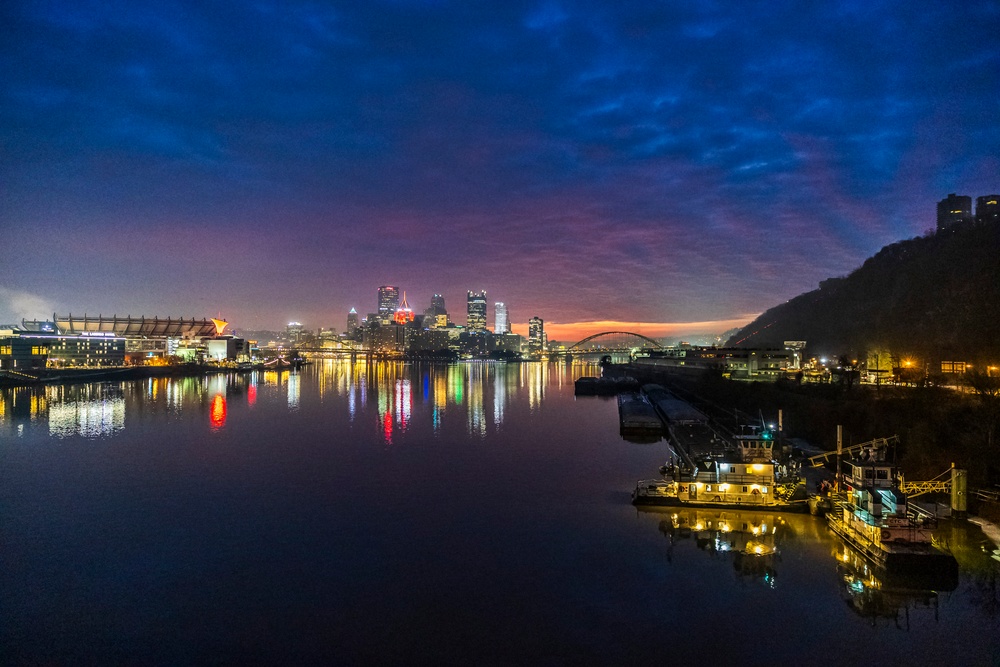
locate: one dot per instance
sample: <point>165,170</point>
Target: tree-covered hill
<point>928,298</point>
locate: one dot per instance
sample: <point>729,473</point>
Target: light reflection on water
<point>477,392</point>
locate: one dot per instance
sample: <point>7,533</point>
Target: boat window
<point>882,473</point>
<point>708,487</point>
<point>744,489</point>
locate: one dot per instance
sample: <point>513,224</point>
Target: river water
<point>392,513</point>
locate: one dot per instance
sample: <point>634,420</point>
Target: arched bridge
<point>615,341</point>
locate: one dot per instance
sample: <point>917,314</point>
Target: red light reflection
<point>218,412</point>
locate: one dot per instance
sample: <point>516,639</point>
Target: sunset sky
<point>657,166</point>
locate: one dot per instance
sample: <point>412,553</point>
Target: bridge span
<point>614,341</point>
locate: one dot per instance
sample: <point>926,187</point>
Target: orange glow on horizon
<point>571,332</point>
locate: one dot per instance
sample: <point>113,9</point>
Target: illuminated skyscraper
<point>294,332</point>
<point>952,210</point>
<point>988,209</point>
<point>352,321</point>
<point>403,314</point>
<point>476,304</point>
<point>388,302</point>
<point>501,324</point>
<point>536,335</point>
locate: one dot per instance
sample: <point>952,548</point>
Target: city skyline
<point>668,170</point>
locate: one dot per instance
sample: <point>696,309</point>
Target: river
<point>392,513</point>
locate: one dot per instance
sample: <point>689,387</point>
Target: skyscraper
<point>988,209</point>
<point>403,314</point>
<point>437,305</point>
<point>388,302</point>
<point>536,335</point>
<point>501,324</point>
<point>476,304</point>
<point>952,210</point>
<point>352,321</point>
<point>437,315</point>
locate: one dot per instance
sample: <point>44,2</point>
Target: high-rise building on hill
<point>952,210</point>
<point>501,324</point>
<point>476,309</point>
<point>988,209</point>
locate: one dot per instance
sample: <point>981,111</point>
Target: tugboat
<point>743,478</point>
<point>875,519</point>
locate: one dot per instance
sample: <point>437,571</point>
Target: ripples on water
<point>405,513</point>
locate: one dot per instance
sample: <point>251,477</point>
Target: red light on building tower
<point>404,313</point>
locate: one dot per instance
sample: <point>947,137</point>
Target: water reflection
<point>878,593</point>
<point>750,539</point>
<point>476,396</point>
<point>91,410</point>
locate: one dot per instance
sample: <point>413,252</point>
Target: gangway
<point>934,485</point>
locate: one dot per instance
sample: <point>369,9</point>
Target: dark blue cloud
<point>709,159</point>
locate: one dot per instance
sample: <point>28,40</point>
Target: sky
<point>653,167</point>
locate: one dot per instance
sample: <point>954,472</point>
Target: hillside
<point>928,298</point>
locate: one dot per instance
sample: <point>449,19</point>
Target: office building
<point>536,335</point>
<point>294,332</point>
<point>352,321</point>
<point>476,305</point>
<point>952,210</point>
<point>988,209</point>
<point>501,324</point>
<point>388,302</point>
<point>437,315</point>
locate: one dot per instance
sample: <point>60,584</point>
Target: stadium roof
<point>152,327</point>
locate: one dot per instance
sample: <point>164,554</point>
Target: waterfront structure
<point>501,323</point>
<point>736,362</point>
<point>352,321</point>
<point>476,311</point>
<point>952,210</point>
<point>536,335</point>
<point>388,302</point>
<point>386,338</point>
<point>988,209</point>
<point>112,341</point>
<point>21,354</point>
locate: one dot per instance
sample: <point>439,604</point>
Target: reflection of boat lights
<point>252,395</point>
<point>218,411</point>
